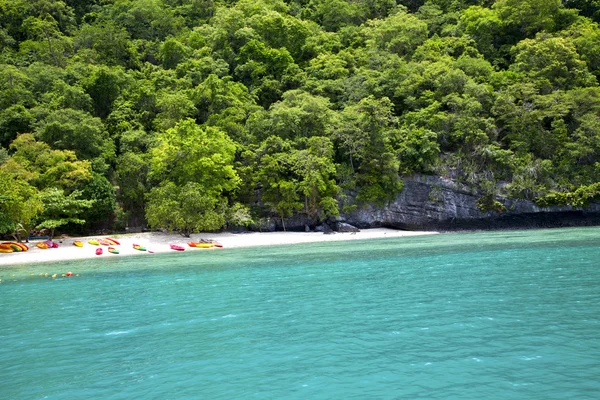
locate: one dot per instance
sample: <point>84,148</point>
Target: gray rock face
<point>344,227</point>
<point>429,202</point>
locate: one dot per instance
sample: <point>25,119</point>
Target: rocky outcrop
<point>435,203</point>
<point>340,226</point>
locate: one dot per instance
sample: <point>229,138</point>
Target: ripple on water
<point>467,316</point>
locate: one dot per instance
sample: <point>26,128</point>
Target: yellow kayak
<point>78,243</point>
<point>205,245</point>
<point>94,242</point>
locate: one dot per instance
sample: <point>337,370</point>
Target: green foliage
<point>190,153</point>
<point>69,129</point>
<point>61,209</point>
<point>186,209</point>
<point>366,135</point>
<point>35,162</point>
<point>488,203</point>
<point>298,178</point>
<point>552,63</point>
<point>102,193</point>
<point>20,203</point>
<point>577,198</point>
<point>195,167</point>
<point>14,120</point>
<point>238,216</point>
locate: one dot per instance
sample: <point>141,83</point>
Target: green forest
<point>199,115</point>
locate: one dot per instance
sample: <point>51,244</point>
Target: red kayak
<point>99,251</point>
<point>178,248</point>
<point>113,240</point>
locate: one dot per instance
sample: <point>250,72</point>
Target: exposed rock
<point>327,229</point>
<point>429,202</point>
<point>345,227</point>
<point>264,225</point>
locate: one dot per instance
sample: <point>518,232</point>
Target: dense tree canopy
<point>186,114</point>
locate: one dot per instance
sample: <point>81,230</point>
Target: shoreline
<point>159,242</point>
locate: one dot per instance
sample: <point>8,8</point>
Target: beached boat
<point>14,246</point>
<point>113,241</point>
<point>204,245</point>
<point>51,244</point>
<point>139,247</point>
<point>177,248</point>
<point>94,242</point>
<point>99,251</point>
<point>113,250</point>
<point>104,242</point>
<point>78,243</point>
<point>42,245</point>
<point>6,247</point>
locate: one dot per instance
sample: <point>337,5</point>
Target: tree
<point>172,52</point>
<point>107,44</point>
<point>102,193</point>
<point>366,134</point>
<point>279,187</point>
<point>63,95</point>
<point>552,63</point>
<point>173,107</point>
<point>187,208</point>
<point>14,120</point>
<point>298,115</point>
<point>13,87</point>
<point>43,167</point>
<point>298,176</point>
<point>314,167</point>
<point>46,43</point>
<point>104,85</point>
<point>131,175</point>
<point>196,161</point>
<point>69,129</point>
<point>61,209</point>
<point>400,33</point>
<point>19,204</point>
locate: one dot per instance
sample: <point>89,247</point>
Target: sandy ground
<point>159,243</point>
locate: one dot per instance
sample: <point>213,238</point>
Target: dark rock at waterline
<point>344,227</point>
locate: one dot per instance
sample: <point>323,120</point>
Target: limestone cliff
<point>435,203</point>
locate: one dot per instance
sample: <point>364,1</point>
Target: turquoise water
<point>498,315</point>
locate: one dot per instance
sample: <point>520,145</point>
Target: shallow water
<point>497,315</point>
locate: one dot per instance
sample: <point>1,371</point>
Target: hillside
<point>194,115</point>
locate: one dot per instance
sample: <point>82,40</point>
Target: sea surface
<point>494,315</point>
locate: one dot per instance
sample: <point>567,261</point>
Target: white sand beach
<point>158,242</point>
